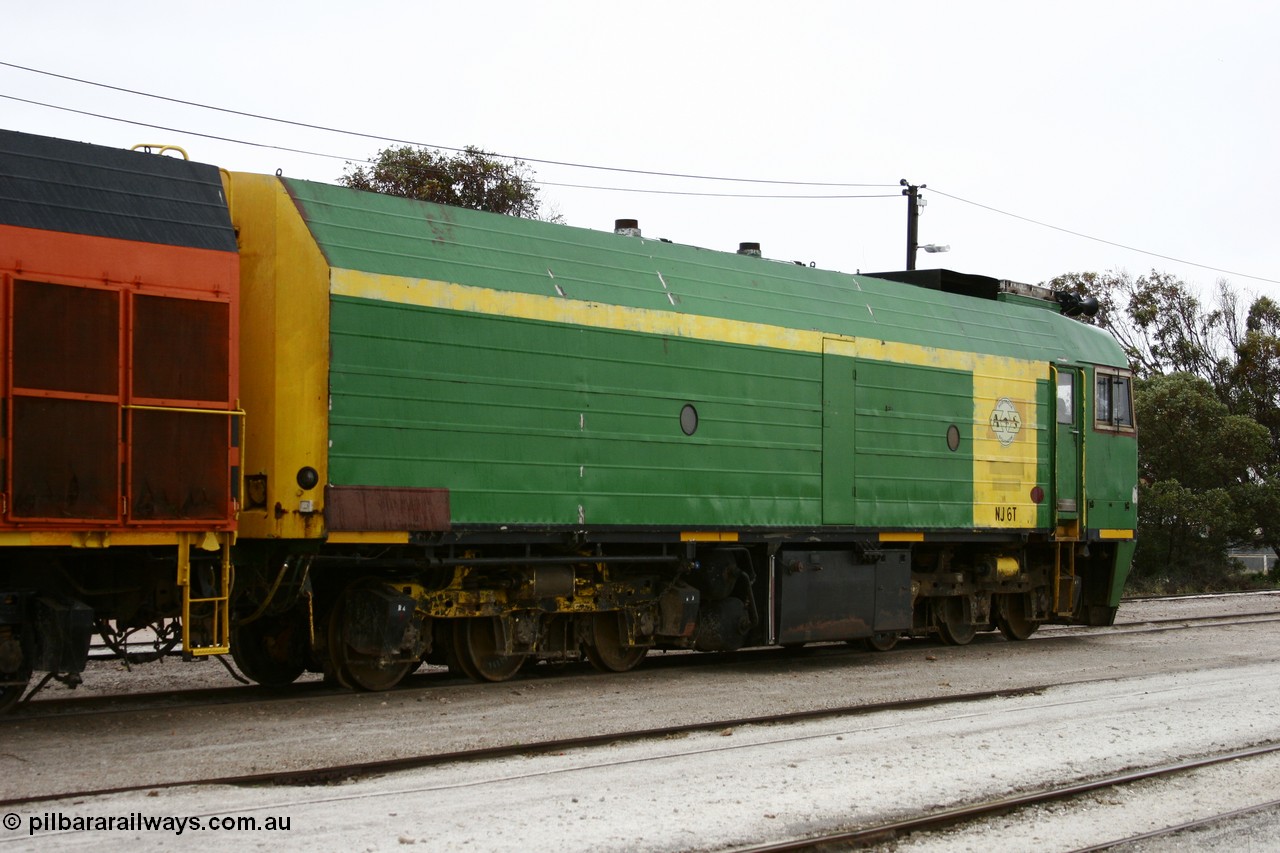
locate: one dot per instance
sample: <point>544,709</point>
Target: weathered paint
<point>549,423</point>
<point>374,537</point>
<point>537,372</point>
<point>410,245</point>
<point>101,332</point>
<point>1002,473</point>
<point>1001,467</point>
<point>1010,443</point>
<point>708,536</point>
<point>285,353</point>
<point>91,539</point>
<point>375,508</point>
<point>553,309</point>
<point>1110,460</point>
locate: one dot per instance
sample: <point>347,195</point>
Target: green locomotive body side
<point>549,424</point>
<point>543,441</point>
<point>539,372</point>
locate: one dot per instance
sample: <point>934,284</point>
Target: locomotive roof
<point>77,188</point>
<point>387,235</point>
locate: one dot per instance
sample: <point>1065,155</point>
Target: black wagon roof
<point>78,188</point>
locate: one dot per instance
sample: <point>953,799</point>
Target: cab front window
<point>1113,400</point>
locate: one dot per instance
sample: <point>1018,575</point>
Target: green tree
<point>1162,325</point>
<point>1255,377</point>
<point>474,179</point>
<point>1206,484</point>
<point>1255,392</point>
<point>1199,491</point>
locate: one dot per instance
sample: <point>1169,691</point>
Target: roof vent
<point>751,249</point>
<point>626,227</point>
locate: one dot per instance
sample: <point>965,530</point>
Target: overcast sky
<point>1153,125</point>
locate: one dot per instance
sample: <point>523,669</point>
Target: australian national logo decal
<point>1006,423</point>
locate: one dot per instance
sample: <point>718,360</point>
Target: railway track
<point>1186,826</point>
<point>1162,624</point>
<point>571,764</point>
<point>1193,596</point>
<point>867,836</point>
<point>349,771</point>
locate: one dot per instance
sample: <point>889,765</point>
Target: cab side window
<point>1066,397</point>
<point>1113,400</point>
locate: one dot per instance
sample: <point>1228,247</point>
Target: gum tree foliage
<point>1208,406</point>
<point>1255,392</point>
<point>1198,489</point>
<point>1162,325</point>
<point>1255,377</point>
<point>473,178</point>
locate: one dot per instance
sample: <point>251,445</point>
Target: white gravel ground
<point>1170,694</point>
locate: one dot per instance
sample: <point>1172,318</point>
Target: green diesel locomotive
<point>487,440</point>
<point>445,435</point>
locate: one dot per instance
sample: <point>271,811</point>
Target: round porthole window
<point>689,419</point>
<point>953,437</point>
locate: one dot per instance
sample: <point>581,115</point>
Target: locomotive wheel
<point>479,647</point>
<point>606,650</point>
<point>881,642</point>
<point>357,670</point>
<point>11,694</point>
<point>1012,619</point>
<point>952,618</point>
<point>14,667</point>
<point>271,650</point>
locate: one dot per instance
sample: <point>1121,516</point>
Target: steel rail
<point>355,770</point>
<point>1182,827</point>
<point>947,818</point>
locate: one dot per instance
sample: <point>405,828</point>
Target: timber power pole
<point>912,192</point>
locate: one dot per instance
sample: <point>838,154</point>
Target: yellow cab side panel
<point>284,361</point>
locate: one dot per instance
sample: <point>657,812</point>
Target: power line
<point>177,129</point>
<point>711,195</point>
<point>378,138</point>
<point>1101,240</point>
<point>649,173</point>
<point>288,150</point>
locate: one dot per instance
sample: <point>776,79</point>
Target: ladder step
<point>206,627</point>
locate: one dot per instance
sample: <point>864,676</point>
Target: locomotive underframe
<point>369,615</point>
<point>55,600</point>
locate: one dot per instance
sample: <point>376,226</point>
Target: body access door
<point>1068,447</point>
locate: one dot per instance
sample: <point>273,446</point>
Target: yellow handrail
<point>159,149</point>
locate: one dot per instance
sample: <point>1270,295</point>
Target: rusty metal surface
<point>180,349</point>
<point>64,459</point>
<point>374,508</point>
<point>66,339</point>
<point>68,453</point>
<point>179,466</point>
